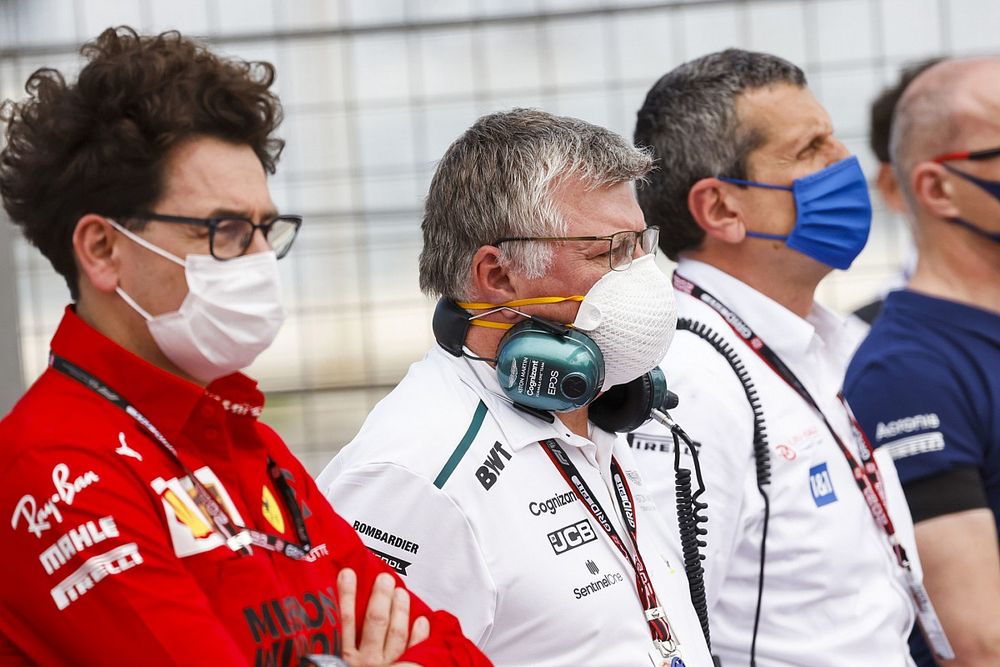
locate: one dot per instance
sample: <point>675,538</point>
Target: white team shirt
<point>833,593</point>
<point>447,481</point>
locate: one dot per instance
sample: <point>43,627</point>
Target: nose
<point>257,243</point>
<point>638,251</point>
<point>836,151</point>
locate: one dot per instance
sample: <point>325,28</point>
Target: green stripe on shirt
<point>463,446</point>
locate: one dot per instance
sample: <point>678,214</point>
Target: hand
<point>387,632</point>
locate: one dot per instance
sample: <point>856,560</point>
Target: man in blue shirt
<point>926,382</point>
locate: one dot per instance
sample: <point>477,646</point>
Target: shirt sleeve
<point>920,412</point>
<point>91,575</point>
<point>434,550</point>
<point>446,644</point>
<point>715,413</point>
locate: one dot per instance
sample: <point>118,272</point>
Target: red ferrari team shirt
<point>107,557</point>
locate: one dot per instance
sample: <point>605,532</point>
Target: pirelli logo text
<point>572,536</point>
<point>93,571</point>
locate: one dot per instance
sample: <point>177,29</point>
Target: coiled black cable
<point>761,455</point>
<point>689,520</point>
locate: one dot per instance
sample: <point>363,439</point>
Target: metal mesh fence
<point>375,91</point>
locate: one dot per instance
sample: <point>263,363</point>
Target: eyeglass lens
<point>623,246</point>
<point>233,237</point>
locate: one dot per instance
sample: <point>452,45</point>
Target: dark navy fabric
<point>926,385</point>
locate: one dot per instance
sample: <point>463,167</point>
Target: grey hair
<point>497,180</point>
<point>689,119</point>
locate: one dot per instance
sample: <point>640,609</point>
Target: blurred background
<point>375,90</point>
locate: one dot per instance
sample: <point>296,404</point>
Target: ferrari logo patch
<point>269,507</point>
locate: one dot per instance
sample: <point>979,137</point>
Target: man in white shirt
<point>759,201</point>
<point>470,477</point>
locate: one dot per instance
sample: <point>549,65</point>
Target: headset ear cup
<point>450,325</point>
<point>544,366</point>
<point>624,407</point>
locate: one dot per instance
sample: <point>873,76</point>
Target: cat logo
<point>270,509</point>
<point>190,526</point>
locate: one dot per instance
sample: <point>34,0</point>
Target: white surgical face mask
<point>631,315</point>
<point>231,313</point>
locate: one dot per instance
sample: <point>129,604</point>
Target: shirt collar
<point>965,316</point>
<point>167,400</point>
<point>782,330</point>
<point>519,428</point>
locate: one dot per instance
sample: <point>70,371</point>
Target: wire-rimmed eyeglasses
<point>622,245</point>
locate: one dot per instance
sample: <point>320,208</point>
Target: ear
<point>94,241</point>
<point>716,211</point>
<point>491,281</point>
<point>888,188</point>
<point>934,190</point>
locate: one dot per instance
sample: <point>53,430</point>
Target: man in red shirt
<point>152,519</point>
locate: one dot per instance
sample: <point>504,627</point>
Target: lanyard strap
<point>238,538</point>
<point>656,617</point>
<point>866,476</point>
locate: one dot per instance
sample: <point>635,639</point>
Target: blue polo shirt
<point>925,384</point>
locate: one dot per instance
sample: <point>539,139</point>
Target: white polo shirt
<point>833,592</point>
<point>448,482</point>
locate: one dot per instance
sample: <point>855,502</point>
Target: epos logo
<point>571,536</point>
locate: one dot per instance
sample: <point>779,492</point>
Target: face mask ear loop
<point>754,184</point>
<point>135,306</point>
<point>146,244</point>
<point>560,329</point>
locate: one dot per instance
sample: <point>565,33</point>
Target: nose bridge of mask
<point>135,238</point>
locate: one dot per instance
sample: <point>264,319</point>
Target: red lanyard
<point>656,617</point>
<point>866,473</point>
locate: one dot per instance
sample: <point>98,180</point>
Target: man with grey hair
<point>926,382</point>
<point>485,477</point>
<point>758,201</point>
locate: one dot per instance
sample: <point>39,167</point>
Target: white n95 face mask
<point>232,312</point>
<point>631,315</point>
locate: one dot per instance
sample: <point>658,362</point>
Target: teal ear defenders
<point>545,367</point>
<point>540,364</point>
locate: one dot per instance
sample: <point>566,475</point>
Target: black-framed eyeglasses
<point>230,236</point>
<point>621,248</point>
<point>986,154</point>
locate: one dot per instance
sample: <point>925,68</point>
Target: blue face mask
<point>833,213</point>
<point>992,187</point>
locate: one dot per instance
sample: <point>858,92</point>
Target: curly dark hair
<point>99,145</point>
